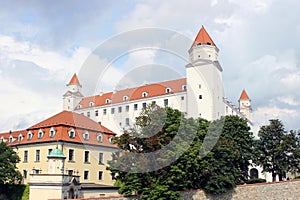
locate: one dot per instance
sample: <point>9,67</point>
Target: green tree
<point>277,149</point>
<point>8,169</point>
<point>224,166</point>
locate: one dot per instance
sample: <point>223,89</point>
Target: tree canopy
<point>8,169</point>
<point>277,149</point>
<point>216,170</point>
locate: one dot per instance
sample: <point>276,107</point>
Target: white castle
<point>200,94</point>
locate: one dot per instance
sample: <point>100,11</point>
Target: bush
<point>14,192</point>
<point>256,180</point>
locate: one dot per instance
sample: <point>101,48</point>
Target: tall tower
<point>245,105</point>
<point>204,79</point>
<point>73,95</point>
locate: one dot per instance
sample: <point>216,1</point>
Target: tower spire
<point>203,38</point>
<point>74,80</point>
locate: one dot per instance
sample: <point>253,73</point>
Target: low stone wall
<point>285,190</point>
<point>270,191</point>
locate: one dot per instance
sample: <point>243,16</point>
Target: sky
<point>42,44</point>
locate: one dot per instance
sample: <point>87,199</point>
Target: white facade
<point>200,94</point>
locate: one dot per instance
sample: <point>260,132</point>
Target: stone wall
<point>270,191</point>
<point>285,190</point>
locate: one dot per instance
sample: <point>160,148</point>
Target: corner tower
<point>73,95</point>
<point>204,79</point>
<point>245,105</point>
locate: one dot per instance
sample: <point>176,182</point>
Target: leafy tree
<point>278,150</point>
<point>224,166</point>
<point>8,169</point>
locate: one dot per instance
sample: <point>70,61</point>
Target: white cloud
<point>288,100</point>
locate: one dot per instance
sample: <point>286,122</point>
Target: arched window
<point>71,133</point>
<point>99,137</point>
<point>253,173</point>
<point>92,104</point>
<point>107,101</point>
<point>168,90</point>
<point>184,87</point>
<point>125,98</point>
<point>52,132</point>
<point>20,138</point>
<point>144,94</point>
<point>29,135</point>
<point>40,134</point>
<point>86,135</point>
<point>111,140</point>
<point>10,139</point>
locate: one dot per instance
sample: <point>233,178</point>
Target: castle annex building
<point>200,94</point>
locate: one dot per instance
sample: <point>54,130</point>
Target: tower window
<point>200,96</point>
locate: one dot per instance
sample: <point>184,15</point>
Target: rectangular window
<point>100,175</point>
<point>71,154</point>
<point>144,105</point>
<point>104,111</point>
<point>70,172</point>
<point>166,102</point>
<point>86,175</point>
<point>101,158</point>
<point>135,106</point>
<point>112,111</point>
<point>25,156</point>
<point>120,109</point>
<point>127,108</point>
<point>182,98</point>
<point>200,96</point>
<point>96,113</point>
<point>88,114</point>
<point>37,155</point>
<point>86,156</point>
<point>49,151</point>
<point>127,121</point>
<point>24,174</point>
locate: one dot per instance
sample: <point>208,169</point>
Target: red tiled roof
<point>203,38</point>
<point>72,119</point>
<point>74,80</point>
<point>153,90</point>
<point>244,95</point>
<point>62,123</point>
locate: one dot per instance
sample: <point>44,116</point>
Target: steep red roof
<point>71,119</point>
<point>152,90</point>
<point>244,95</point>
<point>74,80</point>
<point>62,123</point>
<point>203,38</point>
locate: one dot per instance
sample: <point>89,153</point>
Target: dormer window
<point>40,134</point>
<point>92,104</point>
<point>20,138</point>
<point>99,137</point>
<point>144,94</point>
<point>79,106</point>
<point>107,101</point>
<point>125,98</point>
<point>52,132</point>
<point>29,135</point>
<point>168,90</point>
<point>71,133</point>
<point>111,140</point>
<point>10,139</point>
<point>184,87</point>
<point>86,135</point>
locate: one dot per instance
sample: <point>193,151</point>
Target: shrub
<point>256,180</point>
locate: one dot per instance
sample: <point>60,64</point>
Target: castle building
<point>200,94</point>
<point>63,151</point>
